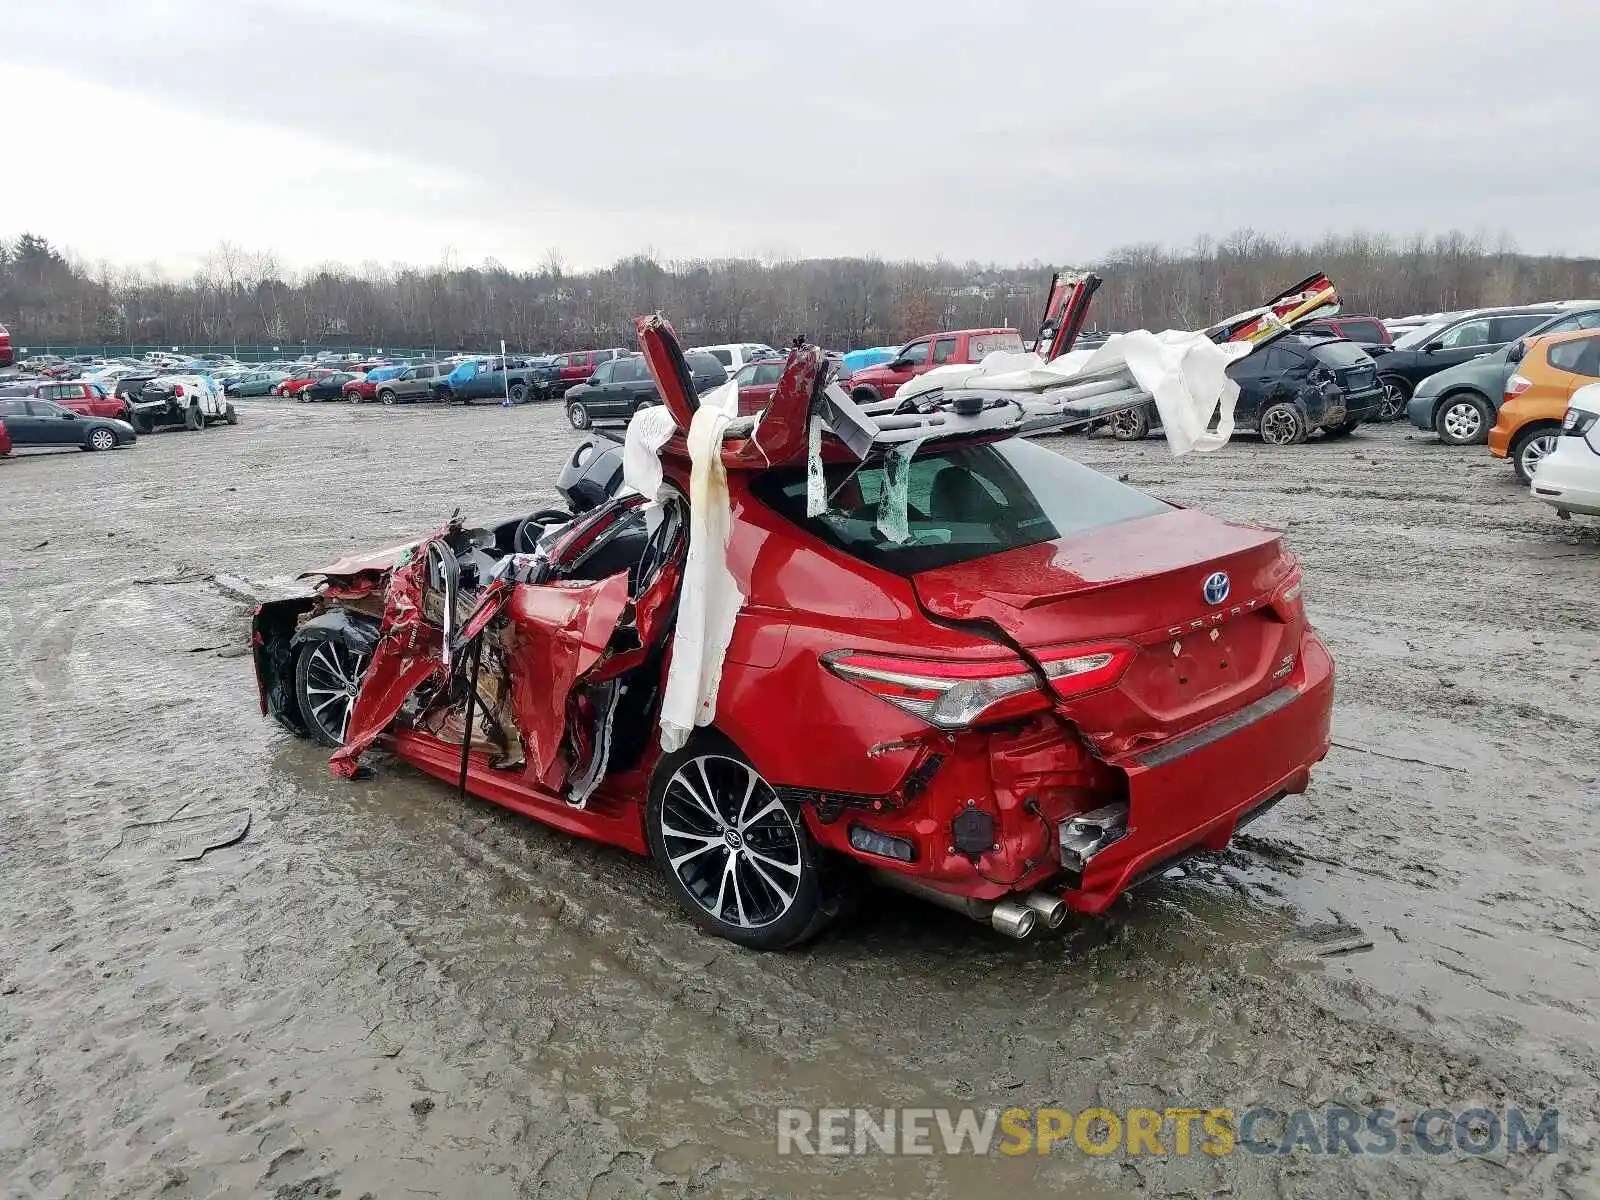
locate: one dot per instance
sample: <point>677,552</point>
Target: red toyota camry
<point>978,671</point>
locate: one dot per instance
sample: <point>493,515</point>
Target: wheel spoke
<point>687,835</point>
<point>710,844</point>
<point>738,892</point>
<point>704,805</point>
<point>711,792</point>
<point>749,790</point>
<point>333,698</point>
<point>786,897</point>
<point>759,857</point>
<point>772,805</point>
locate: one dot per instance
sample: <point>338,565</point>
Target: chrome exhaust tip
<point>1013,920</point>
<point>1052,910</point>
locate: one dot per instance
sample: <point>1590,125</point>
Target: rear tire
<point>518,393</point>
<point>100,439</point>
<point>734,853</point>
<point>1530,446</point>
<point>1339,431</point>
<point>1463,420</point>
<point>230,415</point>
<point>1396,394</point>
<point>578,415</point>
<point>193,419</point>
<point>866,394</point>
<point>1282,425</point>
<point>386,396</point>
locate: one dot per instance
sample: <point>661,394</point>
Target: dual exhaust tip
<point>1014,918</point>
<point>1023,920</point>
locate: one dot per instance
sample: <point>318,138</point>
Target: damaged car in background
<point>785,653</point>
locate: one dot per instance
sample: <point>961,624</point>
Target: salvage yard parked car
<point>1449,342</point>
<point>424,381</point>
<point>1529,423</point>
<point>1288,389</point>
<point>1568,478</point>
<point>255,383</point>
<point>1050,687</point>
<point>85,399</point>
<point>365,385</point>
<point>31,422</point>
<point>329,387</point>
<point>921,355</point>
<point>1459,404</point>
<point>180,401</point>
<point>572,368</point>
<point>620,388</point>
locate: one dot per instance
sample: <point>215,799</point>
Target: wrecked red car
<point>955,661</point>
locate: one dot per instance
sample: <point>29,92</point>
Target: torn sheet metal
<point>710,598</point>
<point>1184,373</point>
<point>556,634</point>
<point>408,654</point>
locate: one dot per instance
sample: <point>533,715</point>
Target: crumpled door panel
<point>557,634</point>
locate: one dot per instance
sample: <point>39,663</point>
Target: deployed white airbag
<point>1184,373</point>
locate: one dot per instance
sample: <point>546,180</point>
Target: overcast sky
<point>393,130</point>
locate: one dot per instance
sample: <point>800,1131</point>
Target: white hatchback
<point>1568,478</point>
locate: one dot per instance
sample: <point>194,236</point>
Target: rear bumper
<point>1500,440</point>
<point>1192,794</point>
<point>1182,796</point>
<point>1568,478</point>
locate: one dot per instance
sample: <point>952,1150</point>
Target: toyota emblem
<point>1216,589</point>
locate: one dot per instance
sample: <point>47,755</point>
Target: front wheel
<point>578,415</point>
<point>1463,421</point>
<point>1132,425</point>
<point>326,679</point>
<point>517,393</point>
<point>1396,392</point>
<point>230,415</point>
<point>735,853</point>
<point>1530,449</point>
<point>1283,425</point>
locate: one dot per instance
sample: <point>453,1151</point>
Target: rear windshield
<point>1363,331</point>
<point>1339,354</point>
<point>962,503</point>
<point>705,363</point>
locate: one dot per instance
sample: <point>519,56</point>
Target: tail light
<point>1578,422</point>
<point>955,695</point>
<point>177,389</point>
<point>1516,385</point>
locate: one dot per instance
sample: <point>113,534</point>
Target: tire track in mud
<point>384,988</point>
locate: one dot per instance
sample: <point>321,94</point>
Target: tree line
<point>244,297</point>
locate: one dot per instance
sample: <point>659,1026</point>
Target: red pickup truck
<point>925,353</point>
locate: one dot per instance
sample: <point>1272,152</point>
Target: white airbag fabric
<point>709,598</point>
<point>650,429</point>
<point>1185,374</point>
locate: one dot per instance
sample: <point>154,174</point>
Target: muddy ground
<point>385,991</point>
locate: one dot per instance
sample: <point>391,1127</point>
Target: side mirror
<point>1432,346</point>
<point>69,415</point>
<point>900,364</point>
<point>1516,352</point>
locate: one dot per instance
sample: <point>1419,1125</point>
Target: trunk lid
<point>1150,583</point>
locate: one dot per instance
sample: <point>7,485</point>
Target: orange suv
<point>1536,397</point>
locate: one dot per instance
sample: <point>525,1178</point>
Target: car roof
<point>1571,335</point>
